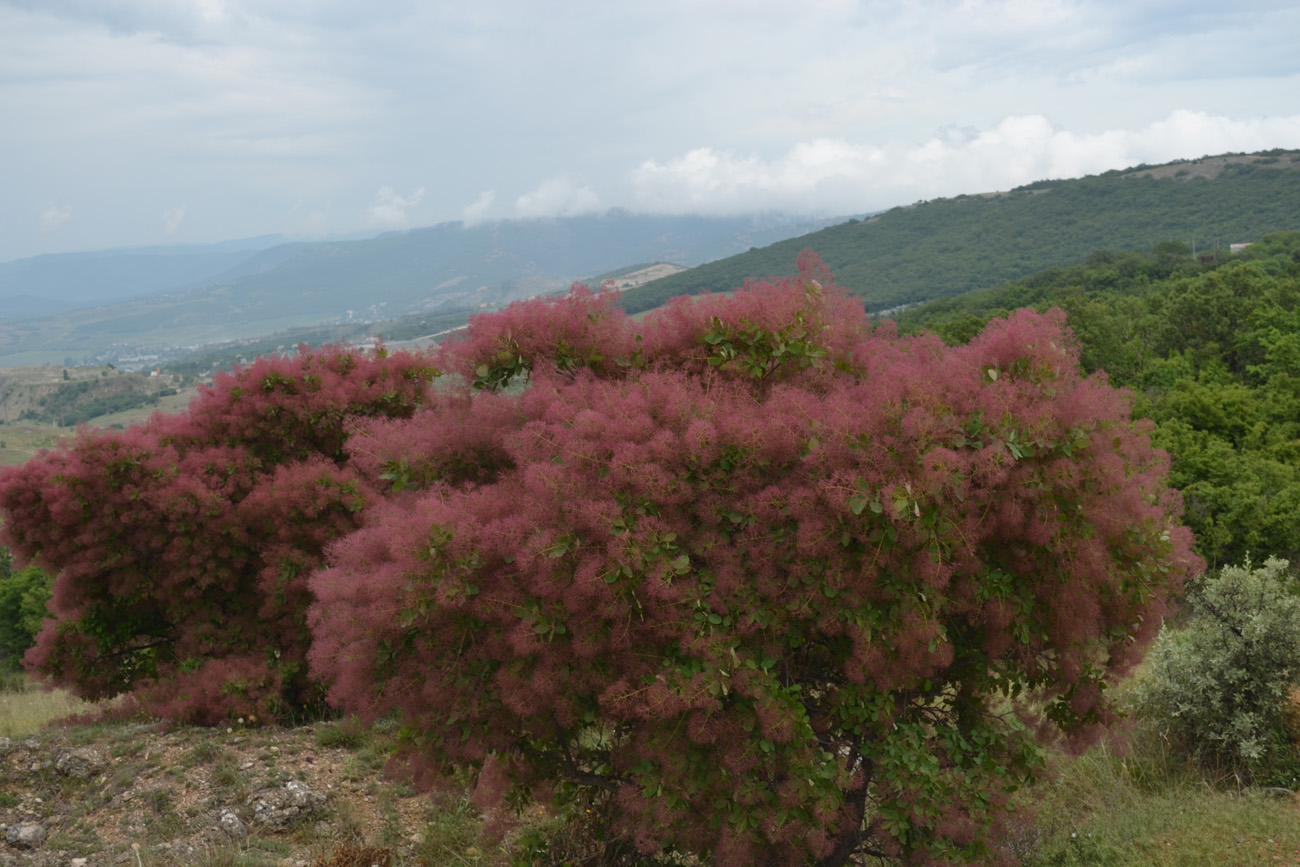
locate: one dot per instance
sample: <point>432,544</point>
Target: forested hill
<point>944,247</point>
<point>1212,353</point>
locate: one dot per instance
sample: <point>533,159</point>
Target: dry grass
<point>19,442</point>
<point>1138,802</point>
<point>167,405</point>
<point>25,711</point>
<point>1100,812</point>
<point>22,387</point>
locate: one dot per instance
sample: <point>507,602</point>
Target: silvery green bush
<point>1219,685</point>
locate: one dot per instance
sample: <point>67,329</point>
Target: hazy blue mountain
<point>477,265</point>
<point>66,281</point>
<point>24,306</point>
<point>256,291</point>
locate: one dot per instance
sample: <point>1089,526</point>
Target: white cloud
<point>558,197</point>
<point>54,216</point>
<point>833,175</point>
<point>249,106</point>
<point>171,19</point>
<point>314,223</point>
<point>389,209</point>
<point>172,219</point>
<point>478,211</point>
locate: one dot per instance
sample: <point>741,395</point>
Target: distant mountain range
<point>151,304</point>
<point>66,281</point>
<point>76,305</point>
<point>945,247</point>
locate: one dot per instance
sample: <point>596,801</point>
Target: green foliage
<point>1135,801</point>
<point>348,734</point>
<point>1214,354</point>
<point>1220,684</point>
<point>759,353</point>
<point>23,594</point>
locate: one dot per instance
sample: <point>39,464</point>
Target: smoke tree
<point>182,545</point>
<point>752,579</point>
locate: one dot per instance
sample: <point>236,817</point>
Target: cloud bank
<point>835,176</point>
<point>172,219</point>
<point>390,208</point>
<point>557,197</point>
<point>53,217</point>
<point>288,116</point>
<point>480,209</point>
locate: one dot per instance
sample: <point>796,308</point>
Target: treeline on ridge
<point>946,247</point>
<point>1212,353</point>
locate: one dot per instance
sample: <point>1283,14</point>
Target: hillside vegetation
<point>945,247</point>
<point>1211,351</point>
<point>67,397</point>
<point>993,508</point>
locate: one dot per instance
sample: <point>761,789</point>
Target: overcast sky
<point>163,121</point>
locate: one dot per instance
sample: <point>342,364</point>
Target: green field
<point>21,391</point>
<point>18,442</point>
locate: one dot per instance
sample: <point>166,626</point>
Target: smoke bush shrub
<point>583,329</point>
<point>752,580</point>
<point>1220,685</point>
<point>182,545</point>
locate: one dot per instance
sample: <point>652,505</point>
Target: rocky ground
<point>142,794</point>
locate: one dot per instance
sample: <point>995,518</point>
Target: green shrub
<point>348,734</point>
<point>1219,686</point>
<point>23,594</point>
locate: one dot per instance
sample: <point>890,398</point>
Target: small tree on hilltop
<point>182,546</point>
<point>752,580</point>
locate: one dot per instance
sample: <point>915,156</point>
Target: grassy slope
<point>20,387</point>
<point>19,442</point>
<point>1128,810</point>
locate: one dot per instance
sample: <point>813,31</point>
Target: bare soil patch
<point>143,794</point>
<point>1211,167</point>
<point>645,275</point>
